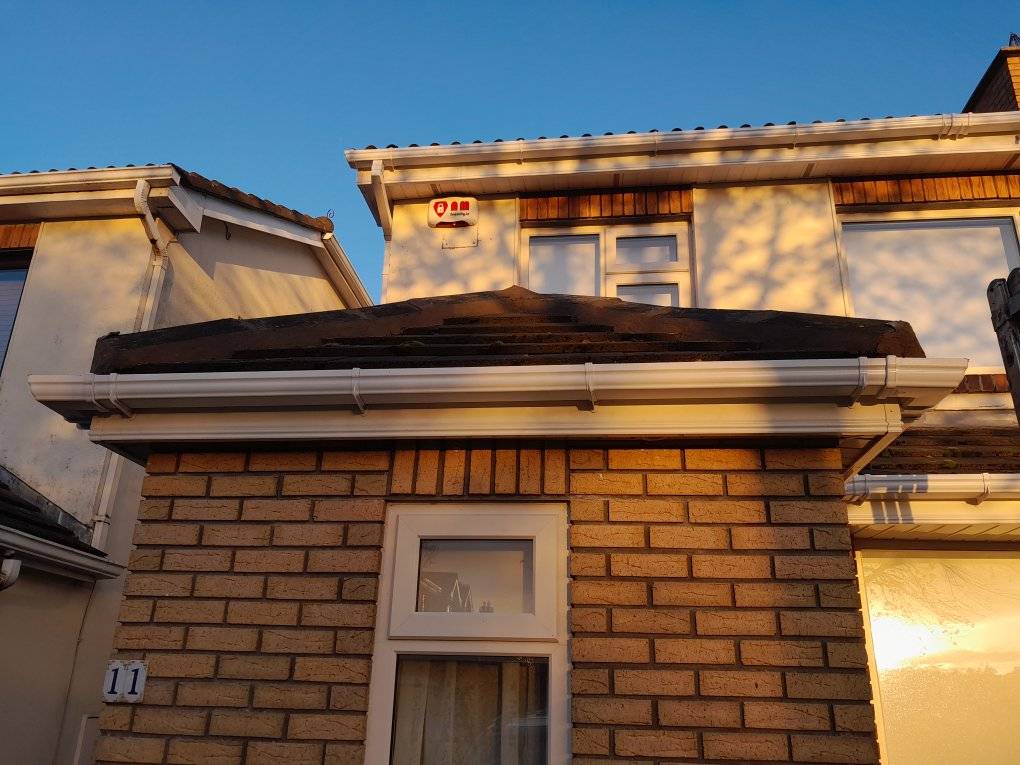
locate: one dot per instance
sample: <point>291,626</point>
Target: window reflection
<point>476,576</point>
<point>943,628</point>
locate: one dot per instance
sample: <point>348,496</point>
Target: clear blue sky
<point>266,95</point>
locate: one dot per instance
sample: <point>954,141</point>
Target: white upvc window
<point>945,662</point>
<point>932,268</point>
<point>470,660</point>
<point>648,263</point>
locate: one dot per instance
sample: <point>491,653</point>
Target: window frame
<point>612,275</point>
<point>19,259</point>
<point>411,521</point>
<point>920,215</point>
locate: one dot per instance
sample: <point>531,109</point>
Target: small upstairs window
<point>13,272</point>
<point>647,263</point>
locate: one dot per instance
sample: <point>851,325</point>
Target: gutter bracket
<point>589,383</point>
<point>117,404</point>
<point>986,490</point>
<point>359,402</point>
<point>10,569</point>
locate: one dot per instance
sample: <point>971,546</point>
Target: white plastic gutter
<point>914,384</point>
<point>38,553</point>
<point>933,126</point>
<point>972,487</point>
<point>346,278</point>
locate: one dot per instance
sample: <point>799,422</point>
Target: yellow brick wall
<point>714,615</point>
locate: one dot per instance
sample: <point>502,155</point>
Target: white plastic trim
<point>940,126</point>
<point>973,487</point>
<point>913,384</point>
<point>49,556</point>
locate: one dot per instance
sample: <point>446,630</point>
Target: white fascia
<point>806,396</point>
<point>44,555</point>
<point>850,131</point>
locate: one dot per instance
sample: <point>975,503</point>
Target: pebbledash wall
<point>715,611</point>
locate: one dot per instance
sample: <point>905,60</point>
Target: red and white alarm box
<point>452,212</point>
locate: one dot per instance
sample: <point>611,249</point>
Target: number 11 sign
<point>124,681</point>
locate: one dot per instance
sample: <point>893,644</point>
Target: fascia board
<point>852,131</point>
<point>488,421</point>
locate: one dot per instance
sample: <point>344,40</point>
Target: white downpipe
<point>145,318</point>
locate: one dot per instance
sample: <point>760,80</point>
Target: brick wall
<point>715,613</point>
<point>999,89</point>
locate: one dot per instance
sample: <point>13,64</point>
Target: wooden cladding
<point>990,187</point>
<point>18,236</point>
<point>602,205</point>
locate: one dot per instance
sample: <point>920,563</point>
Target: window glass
<point>656,294</point>
<point>943,631</point>
<point>12,280</point>
<point>645,250</point>
<point>476,575</point>
<point>935,275</point>
<point>483,710</point>
<point>564,265</point>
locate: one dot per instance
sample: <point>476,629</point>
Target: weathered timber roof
<point>950,450</point>
<point>513,326</point>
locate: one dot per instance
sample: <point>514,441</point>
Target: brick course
<point>714,606</point>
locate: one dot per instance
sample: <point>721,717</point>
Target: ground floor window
<point>943,630</point>
<point>469,662</point>
<point>495,709</point>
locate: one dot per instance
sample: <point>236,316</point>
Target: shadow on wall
<point>249,274</point>
<point>768,247</point>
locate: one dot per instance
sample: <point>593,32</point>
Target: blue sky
<point>266,95</point>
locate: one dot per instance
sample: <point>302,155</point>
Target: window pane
<point>933,274</point>
<point>943,631</point>
<point>564,265</point>
<point>11,282</point>
<point>479,710</point>
<point>645,250</point>
<point>476,575</point>
<point>656,294</point>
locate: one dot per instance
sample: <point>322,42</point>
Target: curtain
<point>470,711</point>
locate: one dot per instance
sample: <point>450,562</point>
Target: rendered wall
<point>715,610</point>
<point>771,247</point>
<point>251,274</point>
<point>38,647</point>
<point>86,279</point>
<point>418,266</point>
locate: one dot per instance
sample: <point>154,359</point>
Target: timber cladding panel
<point>601,206</point>
<point>18,236</point>
<point>948,190</point>
<point>715,614</point>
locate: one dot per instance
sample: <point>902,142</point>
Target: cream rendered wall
<point>251,274</point>
<point>42,615</point>
<point>417,265</point>
<point>86,279</point>
<point>768,247</point>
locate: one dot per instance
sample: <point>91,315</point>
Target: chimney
<point>999,88</point>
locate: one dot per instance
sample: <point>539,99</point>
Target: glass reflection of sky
<point>944,630</point>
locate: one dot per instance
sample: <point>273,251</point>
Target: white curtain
<point>467,711</point>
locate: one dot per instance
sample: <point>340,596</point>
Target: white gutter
<point>971,487</point>
<point>44,555</point>
<point>913,384</point>
<point>933,126</point>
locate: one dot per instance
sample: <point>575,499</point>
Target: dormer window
<point>648,263</point>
